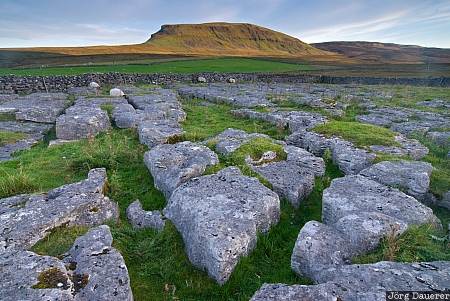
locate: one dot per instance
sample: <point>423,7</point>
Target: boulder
<point>80,122</point>
<point>25,219</point>
<point>288,180</point>
<point>174,164</point>
<point>310,141</point>
<point>139,218</point>
<point>357,193</point>
<point>365,230</point>
<point>94,85</point>
<point>440,138</point>
<point>124,116</point>
<point>95,259</point>
<point>317,247</point>
<point>219,217</point>
<point>368,282</point>
<point>152,133</point>
<point>305,159</point>
<point>350,159</point>
<point>92,270</point>
<point>115,92</point>
<point>409,176</point>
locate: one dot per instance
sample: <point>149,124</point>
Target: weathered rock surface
<point>124,116</point>
<point>310,141</point>
<point>139,218</point>
<point>152,133</point>
<point>288,179</point>
<point>441,138</point>
<point>317,247</point>
<point>93,270</point>
<point>349,158</point>
<point>96,259</point>
<point>284,292</point>
<point>25,219</point>
<point>408,147</point>
<point>37,107</point>
<point>219,217</point>
<point>356,193</point>
<point>410,176</point>
<point>368,282</point>
<point>81,122</point>
<point>174,164</point>
<point>231,139</point>
<point>305,159</point>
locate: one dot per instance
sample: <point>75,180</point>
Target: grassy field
<point>178,66</point>
<point>158,266</point>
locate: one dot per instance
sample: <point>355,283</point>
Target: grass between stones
<point>359,133</point>
<point>10,137</point>
<point>158,266</point>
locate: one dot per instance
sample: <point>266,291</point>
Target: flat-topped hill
<point>208,39</point>
<point>230,39</point>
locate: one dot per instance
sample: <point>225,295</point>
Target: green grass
<point>205,121</point>
<point>359,133</point>
<point>418,243</point>
<point>157,263</point>
<point>10,137</point>
<point>181,66</point>
<point>157,273</point>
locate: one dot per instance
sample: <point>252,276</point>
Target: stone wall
<point>28,84</point>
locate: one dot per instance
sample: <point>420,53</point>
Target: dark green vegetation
<point>157,263</point>
<point>177,66</point>
<point>51,278</point>
<point>10,137</point>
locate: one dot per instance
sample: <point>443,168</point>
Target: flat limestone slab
<point>174,164</point>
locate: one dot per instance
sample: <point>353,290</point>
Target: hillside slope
<point>388,52</point>
<point>208,39</point>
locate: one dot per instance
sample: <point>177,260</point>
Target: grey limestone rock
<point>357,193</point>
<point>152,133</point>
<point>305,159</point>
<point>319,246</point>
<point>25,219</point>
<point>288,179</point>
<point>410,176</point>
<point>92,270</point>
<point>284,292</point>
<point>174,164</point>
<point>81,122</point>
<point>219,217</point>
<point>139,218</point>
<point>231,139</point>
<point>440,138</point>
<point>349,158</point>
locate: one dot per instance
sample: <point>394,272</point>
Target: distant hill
<point>375,52</point>
<point>208,39</point>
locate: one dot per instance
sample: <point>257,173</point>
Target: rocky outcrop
<point>219,217</point>
<point>152,133</point>
<point>37,107</point>
<point>80,122</point>
<point>174,164</point>
<point>364,282</point>
<point>409,176</point>
<point>92,270</point>
<point>359,194</point>
<point>25,219</point>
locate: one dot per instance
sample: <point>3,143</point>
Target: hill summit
<point>229,39</point>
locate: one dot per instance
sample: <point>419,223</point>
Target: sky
<point>29,23</point>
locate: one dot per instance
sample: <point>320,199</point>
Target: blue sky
<point>26,23</point>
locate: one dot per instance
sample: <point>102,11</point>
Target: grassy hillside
<point>180,66</point>
<point>388,52</point>
<point>209,39</point>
